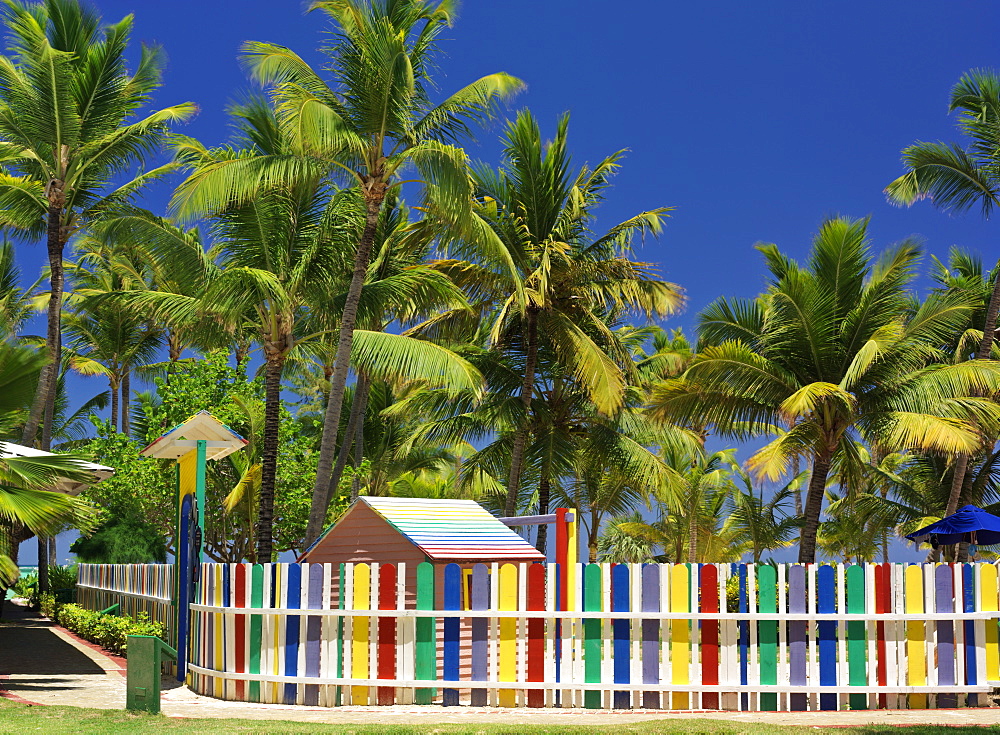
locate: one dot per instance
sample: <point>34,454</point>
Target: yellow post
<point>916,654</point>
<point>508,634</point>
<point>359,646</point>
<point>680,635</point>
<point>572,553</point>
<point>988,603</point>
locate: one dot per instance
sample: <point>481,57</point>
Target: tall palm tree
<point>836,349</point>
<point>68,128</point>
<point>280,254</point>
<point>956,178</point>
<point>373,120</point>
<point>763,525</point>
<point>571,278</point>
<point>107,338</point>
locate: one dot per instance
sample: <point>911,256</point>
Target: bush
<point>26,587</point>
<point>60,578</point>
<point>110,632</point>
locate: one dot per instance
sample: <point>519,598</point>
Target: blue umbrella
<point>970,524</point>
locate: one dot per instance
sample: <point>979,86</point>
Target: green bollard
<point>143,672</point>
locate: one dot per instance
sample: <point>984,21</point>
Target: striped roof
<point>459,530</point>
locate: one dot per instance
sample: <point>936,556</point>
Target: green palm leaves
<point>373,120</point>
<point>835,348</point>
<point>953,177</point>
<point>556,286</point>
<point>956,178</point>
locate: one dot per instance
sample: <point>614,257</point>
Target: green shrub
<point>48,605</point>
<point>60,578</point>
<point>26,587</point>
<point>110,632</point>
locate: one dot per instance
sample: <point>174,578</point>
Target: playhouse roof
<point>452,530</point>
<point>219,439</point>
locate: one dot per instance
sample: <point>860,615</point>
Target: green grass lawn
<point>20,718</point>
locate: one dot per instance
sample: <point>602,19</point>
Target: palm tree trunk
<point>814,506</point>
<point>113,386</point>
<point>53,335</point>
<point>30,429</point>
<point>43,563</point>
<point>595,521</point>
<point>174,346</point>
<point>358,406</point>
<point>544,491</point>
<point>269,457</point>
<point>374,196</point>
<point>359,454</point>
<point>42,408</point>
<point>126,402</point>
<point>692,536</point>
<point>527,389</point>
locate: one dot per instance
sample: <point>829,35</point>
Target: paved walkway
<point>42,663</point>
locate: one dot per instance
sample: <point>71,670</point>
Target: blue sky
<point>754,120</point>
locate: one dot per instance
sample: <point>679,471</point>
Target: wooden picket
<point>684,636</point>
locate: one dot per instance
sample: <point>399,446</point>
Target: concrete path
<point>43,664</point>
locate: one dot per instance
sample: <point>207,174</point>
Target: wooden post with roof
<point>191,443</point>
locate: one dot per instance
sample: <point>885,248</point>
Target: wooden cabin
<point>415,530</point>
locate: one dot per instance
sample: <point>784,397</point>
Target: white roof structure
<point>219,439</point>
<point>70,487</point>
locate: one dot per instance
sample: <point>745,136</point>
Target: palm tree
<point>836,349</point>
<point>166,257</point>
<point>617,546</point>
<point>373,120</point>
<point>67,129</point>
<point>108,338</point>
<point>280,254</point>
<point>571,278</point>
<point>956,178</point>
<point>763,526</point>
<point>401,289</point>
<point>846,534</point>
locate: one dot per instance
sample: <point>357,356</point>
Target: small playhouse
<point>415,530</point>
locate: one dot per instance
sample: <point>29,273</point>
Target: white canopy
<point>72,487</point>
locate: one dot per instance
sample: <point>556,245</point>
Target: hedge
<point>110,632</point>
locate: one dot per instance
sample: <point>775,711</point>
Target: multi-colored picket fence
<point>135,588</point>
<point>678,636</point>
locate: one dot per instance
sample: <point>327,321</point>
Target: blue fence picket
<point>452,601</point>
<point>621,633</point>
<point>294,600</point>
<point>827,635</point>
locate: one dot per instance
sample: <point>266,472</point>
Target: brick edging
<point>7,694</point>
